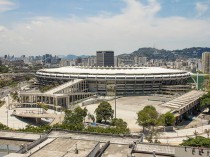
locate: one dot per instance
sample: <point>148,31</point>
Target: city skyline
<point>84,26</point>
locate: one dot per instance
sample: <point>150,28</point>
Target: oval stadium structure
<point>120,80</point>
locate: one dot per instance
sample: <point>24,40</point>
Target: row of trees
<point>198,141</point>
<point>47,87</point>
<point>12,82</point>
<point>74,120</point>
<point>149,118</point>
<point>6,82</point>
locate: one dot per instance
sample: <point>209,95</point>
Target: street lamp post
<point>7,118</point>
<point>7,111</point>
<point>115,103</point>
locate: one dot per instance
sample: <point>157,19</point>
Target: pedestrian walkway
<point>7,119</point>
<point>176,137</point>
<point>186,132</point>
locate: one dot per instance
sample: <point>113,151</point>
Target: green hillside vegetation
<point>170,55</point>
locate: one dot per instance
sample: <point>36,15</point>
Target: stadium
<point>135,87</point>
<point>120,80</point>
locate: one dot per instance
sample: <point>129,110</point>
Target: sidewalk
<point>186,132</point>
<point>5,117</point>
<point>177,137</point>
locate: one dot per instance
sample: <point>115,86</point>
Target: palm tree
<point>91,117</point>
<point>43,106</point>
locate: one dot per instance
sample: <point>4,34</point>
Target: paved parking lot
<point>127,107</point>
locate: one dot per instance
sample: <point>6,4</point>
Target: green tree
<point>4,127</point>
<point>120,124</point>
<point>104,112</point>
<point>4,69</point>
<point>205,101</point>
<point>15,96</point>
<point>43,106</point>
<point>147,117</point>
<point>73,120</point>
<point>81,112</point>
<point>91,117</point>
<point>27,77</point>
<point>198,141</point>
<point>2,102</point>
<point>36,129</point>
<point>167,119</point>
<point>48,87</point>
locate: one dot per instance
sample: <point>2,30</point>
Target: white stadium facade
<point>120,80</point>
<point>80,83</point>
<point>83,84</point>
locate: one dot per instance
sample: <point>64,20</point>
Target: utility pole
<point>115,103</point>
<point>197,81</point>
<point>7,118</point>
<point>8,101</point>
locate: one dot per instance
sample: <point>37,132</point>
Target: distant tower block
<point>206,62</point>
<point>105,58</point>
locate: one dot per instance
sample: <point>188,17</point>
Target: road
<point>7,90</point>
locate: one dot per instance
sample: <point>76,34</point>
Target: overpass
<point>57,118</point>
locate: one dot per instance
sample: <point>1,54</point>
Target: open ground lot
<point>127,107</point>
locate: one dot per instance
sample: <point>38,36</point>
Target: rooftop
<point>65,147</point>
<point>63,144</point>
<point>184,100</point>
<point>65,85</point>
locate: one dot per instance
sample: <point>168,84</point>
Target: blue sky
<point>85,26</point>
<point>24,9</point>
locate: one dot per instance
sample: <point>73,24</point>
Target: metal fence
<point>27,147</point>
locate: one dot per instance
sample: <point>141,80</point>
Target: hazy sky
<point>34,27</point>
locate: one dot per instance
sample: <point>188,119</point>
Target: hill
<point>153,53</point>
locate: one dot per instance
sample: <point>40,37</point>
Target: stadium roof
<point>113,70</point>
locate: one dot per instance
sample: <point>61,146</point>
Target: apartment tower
<point>206,62</point>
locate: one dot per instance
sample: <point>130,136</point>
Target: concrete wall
<point>191,152</point>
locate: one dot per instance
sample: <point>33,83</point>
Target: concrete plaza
<point>11,121</point>
<point>127,108</point>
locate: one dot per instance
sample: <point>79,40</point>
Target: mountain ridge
<point>153,53</point>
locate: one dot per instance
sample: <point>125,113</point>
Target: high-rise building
<point>105,58</point>
<point>140,60</point>
<point>206,62</point>
<point>92,61</point>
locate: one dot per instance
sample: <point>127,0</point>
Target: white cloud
<point>136,26</point>
<point>201,8</point>
<point>6,5</point>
